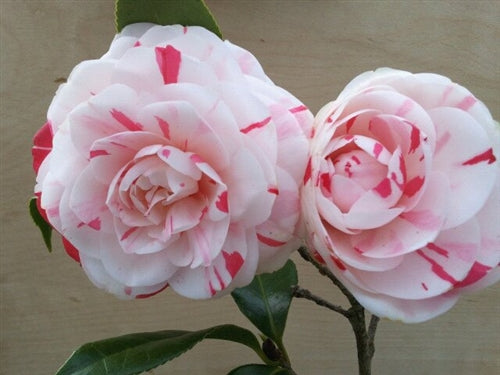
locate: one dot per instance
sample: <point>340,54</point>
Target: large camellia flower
<point>172,160</point>
<point>402,192</point>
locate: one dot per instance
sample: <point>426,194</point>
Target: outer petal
<point>102,279</point>
<point>250,202</point>
<point>276,234</point>
<point>432,270</point>
<point>470,166</point>
<point>205,282</point>
<point>390,102</point>
<point>88,200</point>
<point>180,124</point>
<point>87,79</point>
<point>407,311</point>
<point>247,62</point>
<point>84,238</point>
<point>42,145</point>
<point>485,270</point>
<point>132,269</point>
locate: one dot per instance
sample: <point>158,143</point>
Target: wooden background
<point>312,48</point>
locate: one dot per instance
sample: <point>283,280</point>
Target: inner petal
<point>360,167</point>
<point>164,194</point>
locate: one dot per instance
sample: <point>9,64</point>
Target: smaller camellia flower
<point>402,192</point>
<point>172,160</point>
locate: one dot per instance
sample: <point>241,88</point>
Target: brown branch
<point>326,272</point>
<point>365,336</point>
<point>373,327</point>
<point>299,292</point>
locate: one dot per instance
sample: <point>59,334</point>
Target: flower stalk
<point>364,334</point>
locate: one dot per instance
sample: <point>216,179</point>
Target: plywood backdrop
<point>312,48</point>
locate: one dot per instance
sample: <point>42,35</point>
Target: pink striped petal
<point>354,221</point>
<point>242,274</point>
<point>88,199</point>
<point>103,115</point>
<point>412,229</point>
<point>178,253</point>
<point>42,145</point>
<point>390,102</point>
<point>102,279</point>
<point>50,192</point>
<point>151,35</point>
<point>184,129</point>
<point>84,238</point>
<point>247,62</point>
<point>224,66</point>
<point>87,79</point>
<point>169,60</point>
<point>64,155</point>
<point>276,235</point>
<point>110,154</point>
<point>249,200</point>
<point>252,117</point>
<point>138,68</point>
<point>434,91</point>
<point>180,161</point>
<point>207,281</point>
<point>432,270</point>
<point>134,269</point>
<point>407,311</point>
<point>341,245</point>
<point>452,158</point>
<point>485,270</point>
<point>293,147</point>
<point>206,241</point>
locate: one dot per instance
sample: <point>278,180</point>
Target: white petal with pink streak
<point>102,279</point>
<point>206,281</point>
<point>108,155</point>
<point>134,269</point>
<point>432,270</point>
<point>99,117</point>
<point>471,182</point>
<point>390,102</point>
<point>87,79</point>
<point>187,131</point>
<point>276,234</point>
<point>250,203</point>
<point>412,229</point>
<point>486,270</point>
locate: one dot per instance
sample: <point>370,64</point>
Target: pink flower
<point>172,160</point>
<point>401,193</point>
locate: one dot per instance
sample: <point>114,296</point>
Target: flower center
<point>162,193</point>
<point>360,168</point>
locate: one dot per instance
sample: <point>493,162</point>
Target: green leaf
<point>259,370</point>
<point>40,222</point>
<point>266,300</point>
<point>139,352</point>
<point>165,12</point>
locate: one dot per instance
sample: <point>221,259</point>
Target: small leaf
<point>165,12</point>
<point>40,222</point>
<point>259,370</point>
<point>266,300</point>
<point>139,352</point>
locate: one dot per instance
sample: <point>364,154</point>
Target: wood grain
<point>312,48</point>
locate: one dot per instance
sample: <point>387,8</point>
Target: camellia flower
<point>401,193</point>
<point>172,160</point>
